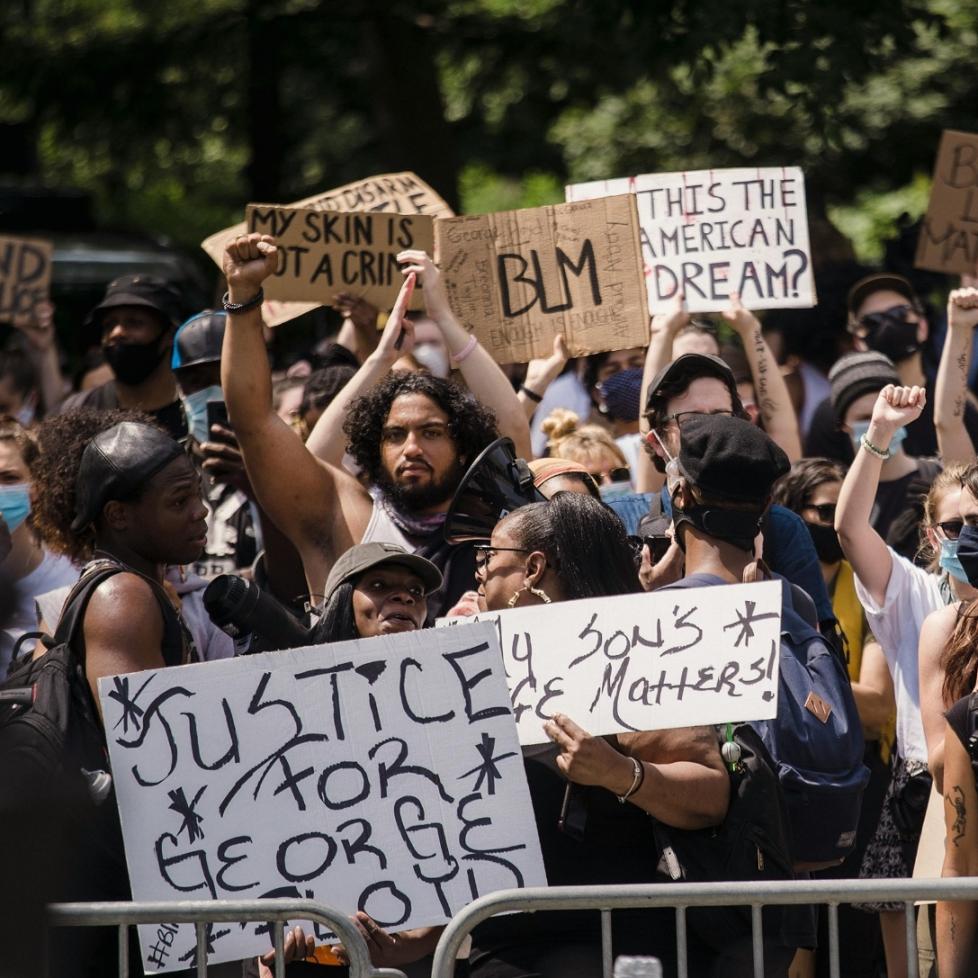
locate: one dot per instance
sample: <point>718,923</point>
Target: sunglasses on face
<point>873,320</point>
<point>951,528</point>
<point>621,474</point>
<point>826,511</point>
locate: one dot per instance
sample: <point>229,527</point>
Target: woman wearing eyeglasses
<point>897,596</point>
<point>600,789</point>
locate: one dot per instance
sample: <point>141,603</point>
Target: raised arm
<point>42,348</point>
<point>863,546</point>
<point>953,440</point>
<point>773,399</point>
<point>359,330</point>
<point>958,920</point>
<point>540,374</point>
<point>321,510</point>
<point>483,376</point>
<point>327,440</point>
<point>934,634</point>
<point>664,328</point>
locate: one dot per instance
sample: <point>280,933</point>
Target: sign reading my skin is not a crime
<point>669,658</point>
<point>382,775</point>
<point>398,193</point>
<point>707,233</point>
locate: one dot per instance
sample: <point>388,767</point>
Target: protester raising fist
<point>895,408</point>
<point>248,261</point>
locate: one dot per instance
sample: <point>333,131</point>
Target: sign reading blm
<point>25,276</point>
<point>948,239</point>
<point>321,252</point>
<point>517,278</point>
<point>381,775</point>
<point>708,233</point>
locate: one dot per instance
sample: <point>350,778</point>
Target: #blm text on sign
<point>651,661</point>
<point>382,775</point>
<point>517,278</point>
<point>707,233</point>
<point>321,253</point>
<point>25,276</point>
<point>399,193</point>
<point>948,239</point>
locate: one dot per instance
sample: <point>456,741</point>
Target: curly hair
<point>795,488</point>
<point>53,460</point>
<point>471,425</point>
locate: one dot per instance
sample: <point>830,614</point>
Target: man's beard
<point>413,498</point>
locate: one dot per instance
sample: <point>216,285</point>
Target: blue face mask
<point>195,407</point>
<point>859,428</point>
<point>15,504</point>
<point>951,562</point>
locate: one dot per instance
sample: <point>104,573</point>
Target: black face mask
<point>132,363</point>
<point>891,334</point>
<point>734,526</point>
<point>968,552</point>
<point>826,542</point>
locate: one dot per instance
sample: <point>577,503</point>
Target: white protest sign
<point>708,233</point>
<point>382,775</point>
<point>672,658</point>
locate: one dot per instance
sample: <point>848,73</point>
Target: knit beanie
<point>857,374</point>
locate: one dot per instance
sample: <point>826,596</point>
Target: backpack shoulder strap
<point>73,612</point>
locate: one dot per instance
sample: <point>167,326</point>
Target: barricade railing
<point>684,896</point>
<point>204,912</point>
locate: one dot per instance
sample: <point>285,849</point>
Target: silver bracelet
<point>637,779</point>
<point>880,453</point>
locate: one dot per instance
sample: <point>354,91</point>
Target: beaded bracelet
<point>637,779</point>
<point>233,308</point>
<point>880,453</point>
<point>457,358</point>
<point>532,395</point>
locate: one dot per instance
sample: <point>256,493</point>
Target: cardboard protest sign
<point>325,252</point>
<point>708,233</point>
<point>25,276</point>
<point>518,278</point>
<point>948,239</point>
<point>398,193</point>
<point>642,661</point>
<point>383,775</point>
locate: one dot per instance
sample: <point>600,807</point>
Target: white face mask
<point>28,411</point>
<point>672,466</point>
<point>433,358</point>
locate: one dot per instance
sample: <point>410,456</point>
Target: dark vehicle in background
<point>86,259</point>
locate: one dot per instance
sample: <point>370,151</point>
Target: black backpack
<point>49,725</point>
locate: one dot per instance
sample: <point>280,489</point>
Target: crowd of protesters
<point>712,456</point>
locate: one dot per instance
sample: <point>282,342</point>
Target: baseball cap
<point>117,462</point>
<point>856,374</point>
<point>199,339</point>
<point>141,290</point>
<point>865,287</point>
<point>729,458</point>
<point>688,368</point>
<point>363,556</point>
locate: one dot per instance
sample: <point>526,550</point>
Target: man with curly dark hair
<point>412,435</point>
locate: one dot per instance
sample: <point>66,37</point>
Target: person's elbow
<point>708,806</point>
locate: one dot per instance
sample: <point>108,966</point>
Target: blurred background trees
<point>173,116</point>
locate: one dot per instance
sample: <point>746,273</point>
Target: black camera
<point>255,620</point>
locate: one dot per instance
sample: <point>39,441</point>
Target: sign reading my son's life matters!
<point>382,775</point>
<point>651,661</point>
<point>707,233</point>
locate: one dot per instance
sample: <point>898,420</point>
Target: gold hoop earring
<point>535,591</point>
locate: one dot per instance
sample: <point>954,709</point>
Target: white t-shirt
<point>911,595</point>
<point>54,571</point>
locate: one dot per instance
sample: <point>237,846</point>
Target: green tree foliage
<point>174,115</point>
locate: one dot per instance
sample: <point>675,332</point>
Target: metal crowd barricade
<point>683,896</point>
<point>203,912</point>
